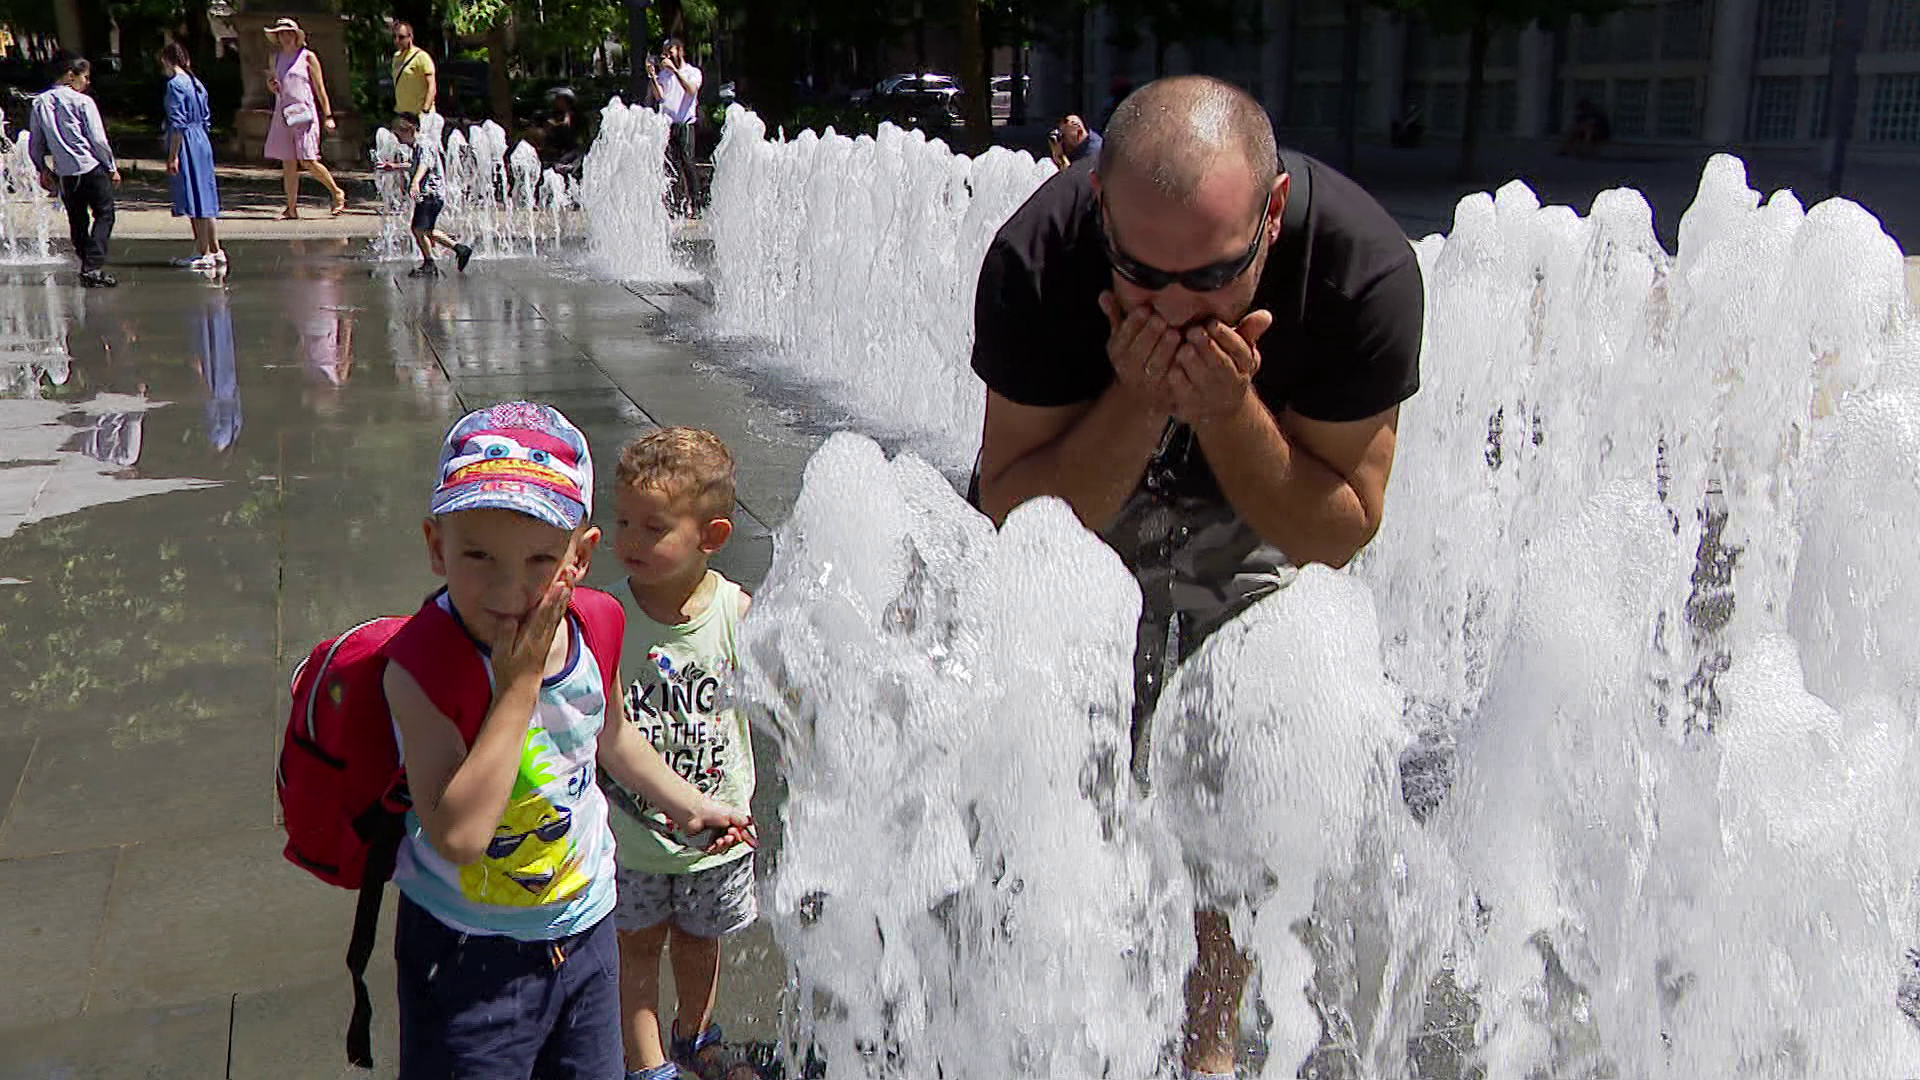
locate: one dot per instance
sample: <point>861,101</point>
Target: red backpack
<point>343,794</point>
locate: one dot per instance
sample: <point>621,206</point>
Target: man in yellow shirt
<point>414,84</point>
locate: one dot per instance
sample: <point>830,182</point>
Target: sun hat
<point>285,25</point>
<point>520,456</point>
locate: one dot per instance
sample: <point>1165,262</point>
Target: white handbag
<point>297,114</point>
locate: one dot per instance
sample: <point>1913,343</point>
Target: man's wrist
<point>1248,410</point>
<point>1140,405</point>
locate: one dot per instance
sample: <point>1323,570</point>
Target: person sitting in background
<point>1071,142</point>
<point>562,133</point>
<point>1589,129</point>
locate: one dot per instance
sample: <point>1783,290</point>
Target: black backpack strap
<point>383,829</point>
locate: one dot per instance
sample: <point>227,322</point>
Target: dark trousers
<point>685,194</point>
<point>493,1008</point>
<point>89,202</point>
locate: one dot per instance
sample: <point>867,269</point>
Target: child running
<point>506,959</point>
<point>427,184</point>
<point>674,493</point>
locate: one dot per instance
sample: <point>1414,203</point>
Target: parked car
<point>1002,105</point>
<point>928,98</point>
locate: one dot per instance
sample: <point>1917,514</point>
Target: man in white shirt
<point>676,92</point>
<point>66,127</point>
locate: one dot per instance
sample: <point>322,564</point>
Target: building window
<point>1783,28</point>
<point>1630,108</point>
<point>1633,33</point>
<point>1446,107</point>
<point>1683,31</point>
<point>1503,49</point>
<point>1592,41</point>
<point>1303,105</point>
<point>1901,30</point>
<point>1895,116</point>
<point>1820,37</point>
<point>1321,48</point>
<point>1676,109</point>
<point>1776,108</point>
<point>1506,106</point>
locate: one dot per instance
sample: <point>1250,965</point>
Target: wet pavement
<point>223,474</point>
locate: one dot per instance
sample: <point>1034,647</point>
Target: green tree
<point>1479,19</point>
<point>492,21</point>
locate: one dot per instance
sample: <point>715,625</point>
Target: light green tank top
<point>675,675</point>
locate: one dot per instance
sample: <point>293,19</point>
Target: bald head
<point>1174,132</point>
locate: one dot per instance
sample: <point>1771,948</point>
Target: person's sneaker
<point>463,254</point>
<point>220,256</point>
<point>205,262</point>
<point>425,269</point>
<point>97,279</point>
<point>185,261</point>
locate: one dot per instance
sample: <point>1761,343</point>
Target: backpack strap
<point>603,621</point>
<point>444,659</point>
<point>435,650</point>
<point>384,828</point>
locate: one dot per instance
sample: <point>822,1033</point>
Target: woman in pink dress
<point>300,110</point>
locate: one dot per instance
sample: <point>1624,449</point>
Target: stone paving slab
<point>180,1042</point>
<point>98,790</point>
<point>51,913</point>
<point>218,913</point>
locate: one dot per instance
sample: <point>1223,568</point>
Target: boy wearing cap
<point>506,959</point>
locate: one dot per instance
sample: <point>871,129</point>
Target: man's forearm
<point>1292,499</point>
<point>1095,465</point>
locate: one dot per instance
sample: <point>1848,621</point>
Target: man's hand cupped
<point>1213,368</point>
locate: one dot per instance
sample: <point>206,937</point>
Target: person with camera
<point>674,84</point>
<point>1072,141</point>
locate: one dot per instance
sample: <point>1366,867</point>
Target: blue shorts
<point>494,1008</point>
<point>426,213</point>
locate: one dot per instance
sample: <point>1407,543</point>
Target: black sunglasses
<point>1200,279</point>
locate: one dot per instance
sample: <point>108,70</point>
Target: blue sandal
<point>692,1054</point>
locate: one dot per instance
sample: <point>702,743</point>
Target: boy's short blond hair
<point>684,464</point>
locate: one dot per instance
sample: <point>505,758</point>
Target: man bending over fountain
<point>1121,322</point>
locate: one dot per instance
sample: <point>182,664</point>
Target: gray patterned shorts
<point>1199,565</point>
<point>705,904</point>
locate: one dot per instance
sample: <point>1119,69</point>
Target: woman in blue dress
<point>190,156</point>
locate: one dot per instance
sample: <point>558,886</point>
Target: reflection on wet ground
<point>198,479</point>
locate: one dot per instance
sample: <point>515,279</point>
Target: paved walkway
<point>149,924</point>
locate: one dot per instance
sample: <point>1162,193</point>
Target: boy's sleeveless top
<point>549,871</point>
<point>676,678</point>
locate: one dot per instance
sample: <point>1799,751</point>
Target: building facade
<point>1682,73</point>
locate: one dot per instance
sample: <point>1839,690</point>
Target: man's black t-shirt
<point>1342,284</point>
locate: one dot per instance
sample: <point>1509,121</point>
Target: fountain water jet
<point>27,213</point>
<point>1635,639</point>
<point>623,190</point>
<point>494,200</point>
<point>855,261</point>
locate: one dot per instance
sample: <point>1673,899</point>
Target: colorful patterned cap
<point>518,456</point>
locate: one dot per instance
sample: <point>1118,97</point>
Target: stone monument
<point>326,36</point>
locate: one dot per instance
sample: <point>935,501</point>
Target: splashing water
<point>856,260</point>
<point>503,204</point>
<point>1613,725</point>
<point>979,919</point>
<point>27,212</point>
<point>623,190</point>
